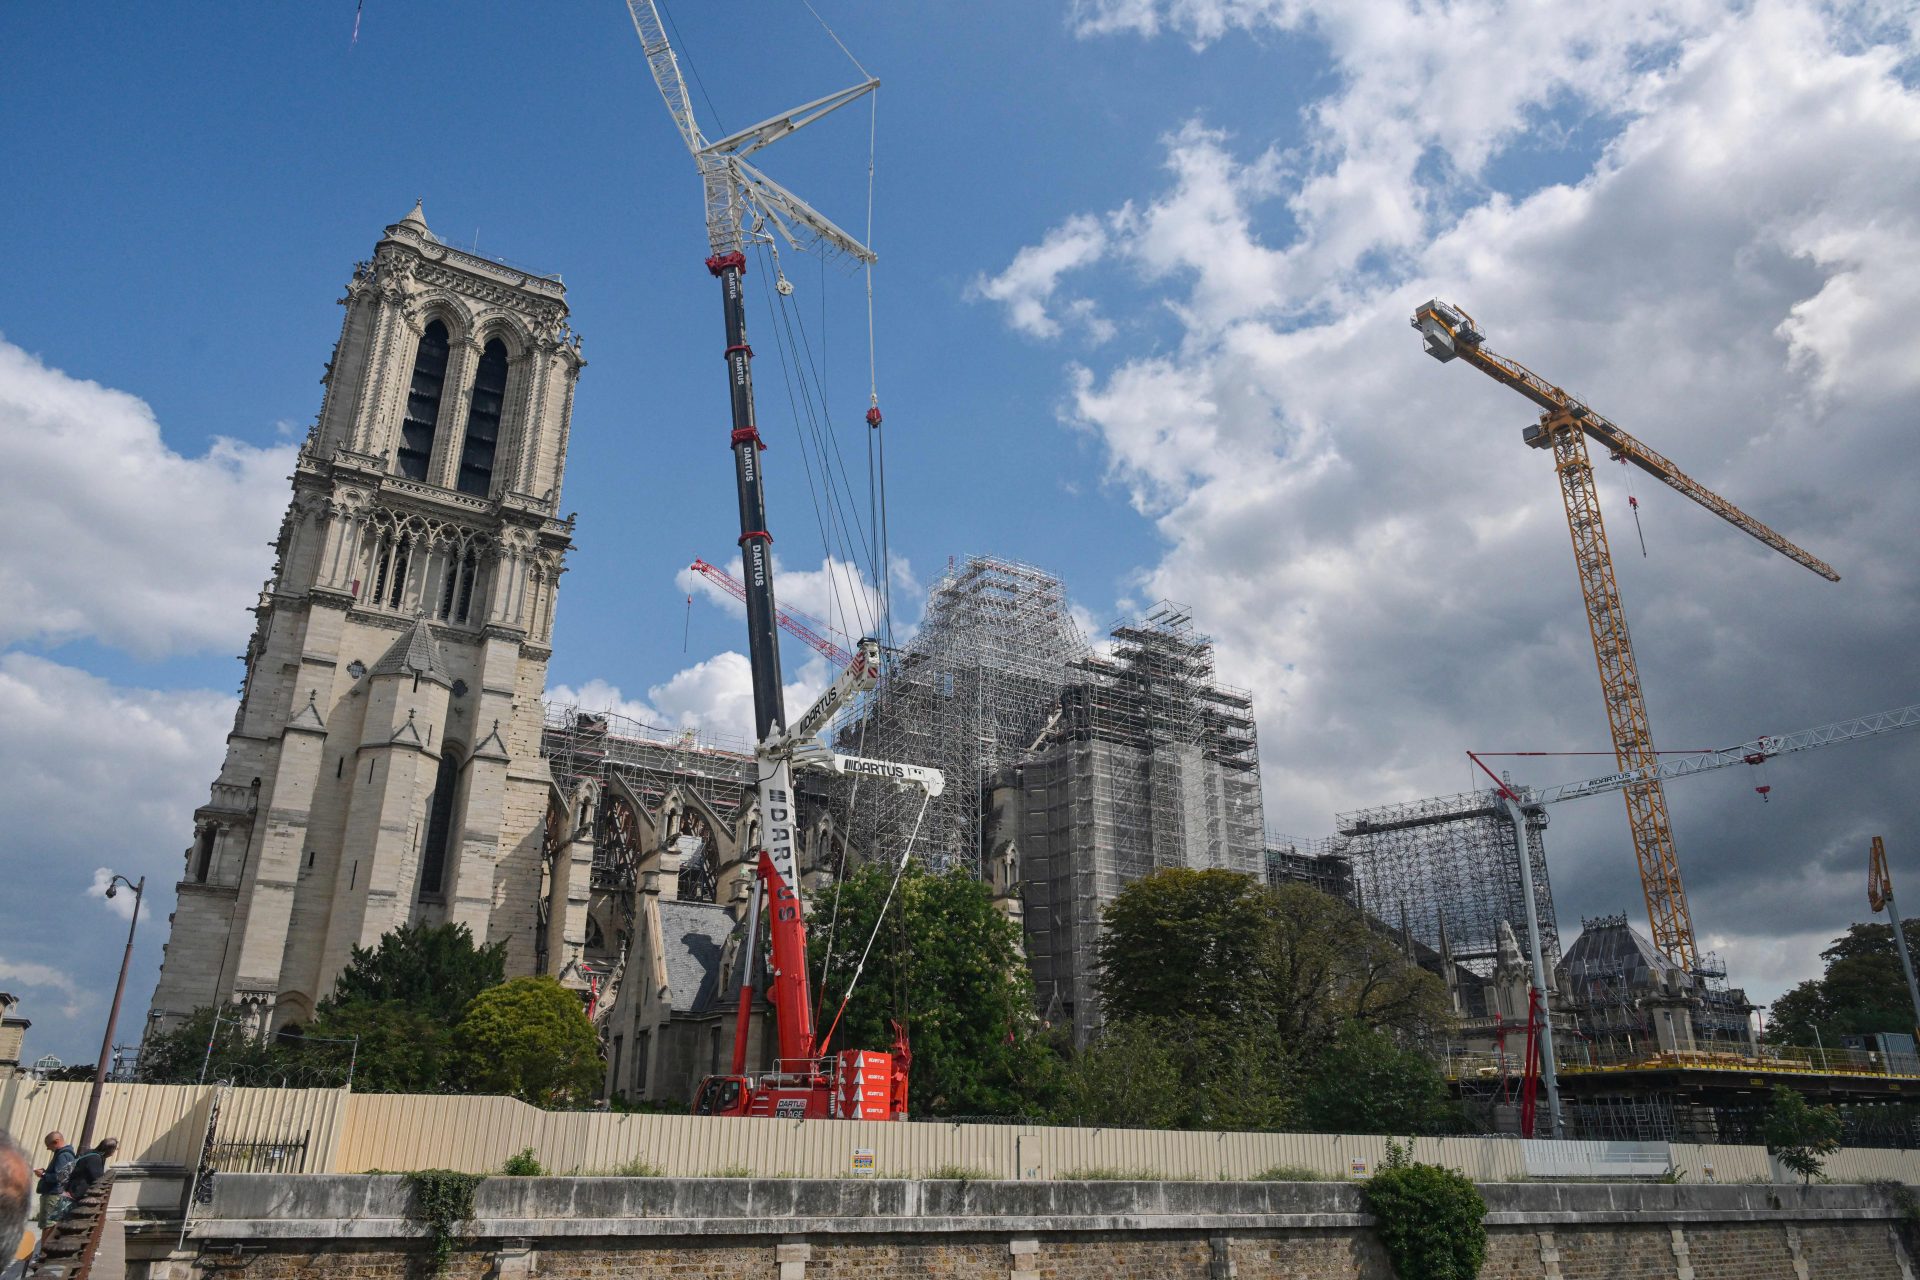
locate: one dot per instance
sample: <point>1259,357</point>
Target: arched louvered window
<point>456,584</point>
<point>423,402</point>
<point>483,421</point>
<point>433,860</point>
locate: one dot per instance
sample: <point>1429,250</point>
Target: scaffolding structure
<point>968,694</point>
<point>1310,861</point>
<point>1148,763</point>
<point>599,745</point>
<point>1448,862</point>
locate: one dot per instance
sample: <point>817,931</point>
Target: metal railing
<point>261,1156</point>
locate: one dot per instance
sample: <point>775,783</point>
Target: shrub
<point>638,1168</point>
<point>1109,1173</point>
<point>442,1203</point>
<point>732,1171</point>
<point>1430,1219</point>
<point>1800,1136</point>
<point>524,1164</point>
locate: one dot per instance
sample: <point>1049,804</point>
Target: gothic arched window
<point>423,402</point>
<point>433,858</point>
<point>483,421</point>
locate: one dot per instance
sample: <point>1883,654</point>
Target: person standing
<point>89,1169</point>
<point>54,1175</point>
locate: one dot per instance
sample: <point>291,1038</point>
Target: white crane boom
<point>741,201</point>
<point>1758,751</point>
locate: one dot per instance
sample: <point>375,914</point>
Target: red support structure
<point>809,631</point>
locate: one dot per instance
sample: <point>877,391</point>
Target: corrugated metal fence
<point>352,1133</point>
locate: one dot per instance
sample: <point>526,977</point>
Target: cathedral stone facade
<point>384,766</point>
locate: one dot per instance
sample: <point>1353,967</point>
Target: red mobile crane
<point>744,206</point>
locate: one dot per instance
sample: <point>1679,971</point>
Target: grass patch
<point>1111,1173</point>
<point>956,1173</point>
<point>731,1171</point>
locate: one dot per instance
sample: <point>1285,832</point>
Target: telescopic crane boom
<point>744,206</point>
<point>1448,333</point>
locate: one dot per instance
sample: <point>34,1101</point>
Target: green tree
<point>528,1037</point>
<point>1862,990</point>
<point>946,964</point>
<point>1185,940</point>
<point>1801,1136</point>
<point>432,969</point>
<point>1245,990</point>
<point>1127,1077</point>
<point>1365,1083</point>
<point>177,1056</point>
<point>390,1047</point>
<point>1220,945</point>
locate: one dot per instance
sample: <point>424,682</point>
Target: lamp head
<point>112,888</point>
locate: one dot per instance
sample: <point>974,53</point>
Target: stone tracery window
<point>423,402</point>
<point>483,421</point>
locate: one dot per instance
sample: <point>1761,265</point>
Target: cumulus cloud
<point>99,778</point>
<point>1380,558</point>
<point>25,978</point>
<point>713,697</point>
<point>1027,284</point>
<point>121,901</point>
<point>112,534</point>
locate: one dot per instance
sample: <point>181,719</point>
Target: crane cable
<point>899,870</point>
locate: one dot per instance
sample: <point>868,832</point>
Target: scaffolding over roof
<point>969,693</point>
<point>1449,861</point>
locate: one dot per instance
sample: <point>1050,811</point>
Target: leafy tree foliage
<point>1221,945</point>
<point>176,1056</point>
<point>1271,1007</point>
<point>1366,1083</point>
<point>401,999</point>
<point>947,964</point>
<point>528,1037</point>
<point>1799,1135</point>
<point>1861,991</point>
<point>431,969</point>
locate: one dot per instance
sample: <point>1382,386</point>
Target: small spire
<point>418,215</point>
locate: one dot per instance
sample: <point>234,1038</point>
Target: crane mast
<point>743,206</point>
<point>1448,333</point>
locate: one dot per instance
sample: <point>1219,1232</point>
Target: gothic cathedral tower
<point>384,766</point>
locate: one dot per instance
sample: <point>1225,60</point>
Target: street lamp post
<point>113,1015</point>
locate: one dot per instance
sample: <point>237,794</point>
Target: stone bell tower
<point>384,766</point>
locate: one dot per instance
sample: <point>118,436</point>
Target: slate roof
<point>1610,946</point>
<point>415,653</point>
<point>693,935</point>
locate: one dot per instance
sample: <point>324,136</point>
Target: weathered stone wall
<point>845,1229</point>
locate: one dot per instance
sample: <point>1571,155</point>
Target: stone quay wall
<point>276,1225</point>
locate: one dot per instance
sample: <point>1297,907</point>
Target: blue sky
<point>1145,271</point>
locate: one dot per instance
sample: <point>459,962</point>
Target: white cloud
<point>713,697</point>
<point>1029,281</point>
<point>113,535</point>
<point>23,977</point>
<point>97,776</point>
<point>837,594</point>
<point>1379,558</point>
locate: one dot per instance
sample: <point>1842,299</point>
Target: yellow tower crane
<point>1450,333</point>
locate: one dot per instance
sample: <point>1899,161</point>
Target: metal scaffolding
<point>1148,763</point>
<point>599,745</point>
<point>1449,861</point>
<point>967,695</point>
<point>1311,861</point>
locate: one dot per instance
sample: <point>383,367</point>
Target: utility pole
<point>113,1015</point>
<point>1880,894</point>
